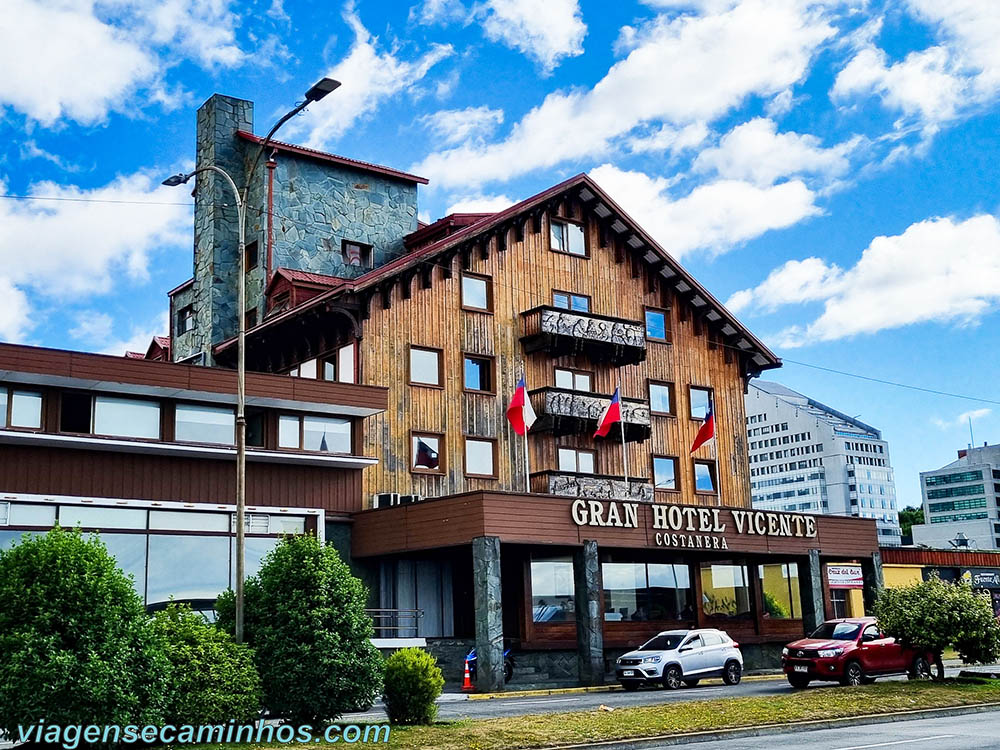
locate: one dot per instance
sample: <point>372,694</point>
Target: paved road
<point>979,731</point>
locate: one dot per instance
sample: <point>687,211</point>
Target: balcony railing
<point>568,412</point>
<point>602,338</point>
<point>595,486</point>
<point>395,623</point>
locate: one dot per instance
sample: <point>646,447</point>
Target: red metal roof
<point>134,355</point>
<point>293,274</point>
<point>364,166</point>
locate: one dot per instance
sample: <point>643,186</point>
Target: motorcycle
<point>508,665</point>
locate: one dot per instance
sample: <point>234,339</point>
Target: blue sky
<point>828,168</point>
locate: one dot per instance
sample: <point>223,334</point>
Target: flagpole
<point>621,424</point>
<point>527,465</point>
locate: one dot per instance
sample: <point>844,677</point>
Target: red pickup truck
<point>851,651</point>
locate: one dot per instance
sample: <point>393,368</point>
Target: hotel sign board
<point>688,526</point>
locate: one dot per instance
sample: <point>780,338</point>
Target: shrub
<point>413,682</point>
<point>305,618</point>
<point>76,645</point>
<point>213,678</point>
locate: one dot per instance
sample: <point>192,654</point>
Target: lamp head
<point>177,179</point>
<point>321,88</point>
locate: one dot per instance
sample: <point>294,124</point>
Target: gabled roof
<point>134,355</point>
<point>308,277</point>
<point>343,161</point>
<point>443,227</point>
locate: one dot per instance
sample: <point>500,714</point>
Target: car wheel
<point>798,681</point>
<point>854,675</point>
<point>921,669</point>
<point>692,683</point>
<point>672,677</point>
<point>733,673</point>
<point>630,687</point>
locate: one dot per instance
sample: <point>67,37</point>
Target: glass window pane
<point>475,293</point>
<point>3,407</point>
<point>725,590</point>
<point>187,520</point>
<point>329,369</point>
<point>564,379</point>
<point>560,300</point>
<point>32,515</point>
<point>477,374</point>
<point>26,409</point>
<point>9,538</point>
<point>659,398</point>
<point>567,459</point>
<point>307,369</point>
<point>479,457</point>
<point>205,424</point>
<point>426,452</point>
<point>187,567</point>
<point>256,549</point>
<point>552,590</point>
<point>129,551</point>
<point>585,462</point>
<point>664,473</point>
<point>345,364</point>
<point>424,366</point>
<point>328,434</point>
<point>581,304</point>
<point>126,417</point>
<point>704,479</point>
<point>625,592</point>
<point>91,517</point>
<point>288,431</point>
<point>780,584</point>
<point>700,398</point>
<point>671,596</point>
<point>656,325</point>
<point>582,382</point>
<point>558,237</point>
<point>287,524</point>
<point>575,236</point>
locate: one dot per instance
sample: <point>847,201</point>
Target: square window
<point>479,455</point>
<point>26,409</point>
<point>656,325</point>
<point>701,399</point>
<point>567,237</point>
<point>477,292</point>
<point>577,461</point>
<point>478,372</point>
<point>570,301</point>
<point>661,398</point>
<point>425,366</point>
<point>574,380</point>
<point>704,476</point>
<point>426,453</point>
<point>665,473</point>
<point>356,254</point>
<point>252,256</point>
<point>185,319</point>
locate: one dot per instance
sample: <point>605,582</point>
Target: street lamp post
<point>314,94</point>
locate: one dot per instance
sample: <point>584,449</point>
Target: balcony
<point>595,486</point>
<point>601,338</point>
<point>566,412</point>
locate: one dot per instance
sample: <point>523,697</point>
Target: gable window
<point>425,452</point>
<point>478,373</point>
<point>252,256</point>
<point>279,303</point>
<point>20,409</point>
<point>574,380</point>
<point>581,462</point>
<point>567,237</point>
<point>477,292</point>
<point>657,325</point>
<point>356,254</point>
<point>185,319</point>
<point>665,473</point>
<point>570,301</point>
<point>661,398</point>
<point>480,457</point>
<point>312,433</point>
<point>425,366</point>
<point>704,476</point>
<point>701,399</point>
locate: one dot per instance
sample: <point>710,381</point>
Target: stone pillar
<point>871,571</point>
<point>589,622</point>
<point>811,588</point>
<point>488,612</point>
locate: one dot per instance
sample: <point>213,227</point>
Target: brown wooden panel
<point>940,557</point>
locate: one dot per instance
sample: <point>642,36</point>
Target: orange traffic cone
<point>467,682</point>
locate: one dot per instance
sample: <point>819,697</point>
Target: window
<point>701,400</point>
<point>337,367</point>
<point>725,590</point>
<point>704,476</point>
<point>780,585</point>
<point>74,412</point>
<point>552,590</point>
<point>126,417</point>
<point>571,459</point>
<point>657,325</point>
<point>480,457</point>
<point>478,373</point>
<point>252,256</point>
<point>570,301</point>
<point>574,380</point>
<point>477,292</point>
<point>425,366</point>
<point>93,517</point>
<point>665,473</point>
<point>356,254</point>
<point>312,433</point>
<point>425,452</point>
<point>205,424</point>
<point>661,397</point>
<point>185,319</point>
<point>634,592</point>
<point>567,237</point>
<point>187,567</point>
<point>250,318</point>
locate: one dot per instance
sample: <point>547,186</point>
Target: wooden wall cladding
<point>941,558</point>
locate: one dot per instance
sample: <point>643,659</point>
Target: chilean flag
<point>612,413</point>
<point>519,413</point>
<point>707,431</point>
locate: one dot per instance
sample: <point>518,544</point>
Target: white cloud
<point>368,77</point>
<point>971,29</point>
<point>666,138</point>
<point>138,337</point>
<point>938,270</point>
<point>456,125</point>
<point>756,152</point>
<point>675,75</point>
<point>92,326</point>
<point>480,204</point>
<point>31,150</point>
<point>715,216</point>
<point>962,420</point>
<point>15,312</point>
<point>546,32</point>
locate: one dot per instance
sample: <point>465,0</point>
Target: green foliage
<point>934,615</point>
<point>213,678</point>
<point>413,682</point>
<point>76,645</point>
<point>773,607</point>
<point>305,618</point>
<point>908,517</point>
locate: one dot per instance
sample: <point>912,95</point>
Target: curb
<point>597,689</point>
<point>642,743</point>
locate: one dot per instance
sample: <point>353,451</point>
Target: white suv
<point>674,657</point>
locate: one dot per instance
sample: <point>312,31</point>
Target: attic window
<point>279,303</point>
<point>356,254</point>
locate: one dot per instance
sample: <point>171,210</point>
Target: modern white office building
<point>810,458</point>
<point>962,497</point>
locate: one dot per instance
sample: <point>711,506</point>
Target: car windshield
<point>837,631</point>
<point>662,642</point>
